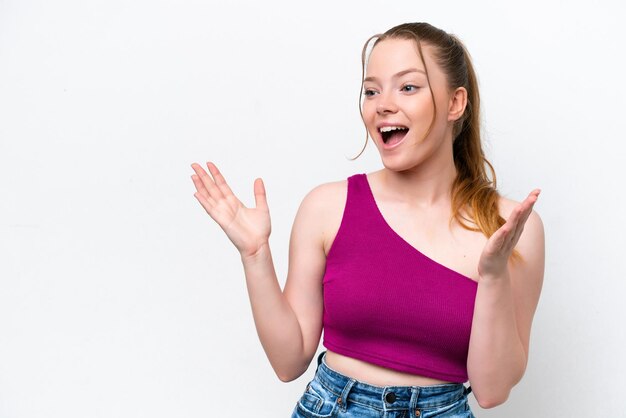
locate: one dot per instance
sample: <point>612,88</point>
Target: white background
<point>120,297</point>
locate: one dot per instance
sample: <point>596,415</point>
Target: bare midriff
<point>373,374</point>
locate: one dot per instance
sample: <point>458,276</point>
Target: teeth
<point>391,128</point>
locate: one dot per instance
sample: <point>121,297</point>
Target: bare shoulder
<point>323,206</point>
<point>327,193</point>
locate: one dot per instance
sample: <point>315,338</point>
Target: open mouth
<point>393,134</point>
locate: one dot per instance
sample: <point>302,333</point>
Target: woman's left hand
<point>495,255</point>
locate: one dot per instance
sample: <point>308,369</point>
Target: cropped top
<point>388,304</point>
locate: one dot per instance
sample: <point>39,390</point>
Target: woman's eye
<point>409,88</point>
<point>368,93</point>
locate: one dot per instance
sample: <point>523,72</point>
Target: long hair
<point>474,194</point>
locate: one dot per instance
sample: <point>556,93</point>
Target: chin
<point>402,164</point>
<point>398,166</point>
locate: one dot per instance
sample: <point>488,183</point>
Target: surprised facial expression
<point>398,105</point>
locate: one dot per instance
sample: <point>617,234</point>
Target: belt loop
<point>415,394</point>
<point>343,399</point>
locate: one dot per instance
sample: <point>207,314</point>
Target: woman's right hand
<point>247,228</point>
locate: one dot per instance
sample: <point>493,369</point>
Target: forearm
<point>496,359</point>
<point>276,323</point>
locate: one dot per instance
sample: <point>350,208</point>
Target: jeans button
<point>390,397</point>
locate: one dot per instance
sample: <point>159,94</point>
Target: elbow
<point>286,378</point>
<point>492,401</point>
<point>496,394</point>
<point>288,371</point>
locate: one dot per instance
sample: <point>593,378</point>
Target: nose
<point>386,104</point>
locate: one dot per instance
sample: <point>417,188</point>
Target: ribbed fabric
<point>390,305</point>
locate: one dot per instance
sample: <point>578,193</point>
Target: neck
<point>426,185</point>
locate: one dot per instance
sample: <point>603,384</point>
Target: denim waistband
<point>387,397</point>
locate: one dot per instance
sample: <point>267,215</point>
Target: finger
<point>512,224</point>
<point>524,210</point>
<point>498,239</point>
<point>260,198</point>
<point>200,180</point>
<point>208,182</point>
<point>199,185</point>
<point>527,206</point>
<point>521,212</point>
<point>514,217</point>
<point>517,235</point>
<point>207,203</point>
<point>219,180</point>
<point>522,222</point>
<point>531,199</point>
<point>527,213</point>
<point>215,190</point>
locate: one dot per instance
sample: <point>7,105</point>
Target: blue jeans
<point>332,394</point>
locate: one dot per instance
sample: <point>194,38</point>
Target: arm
<point>506,300</point>
<point>288,324</point>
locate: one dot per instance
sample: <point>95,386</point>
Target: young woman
<point>422,276</point>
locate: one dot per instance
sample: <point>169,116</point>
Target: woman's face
<point>398,106</point>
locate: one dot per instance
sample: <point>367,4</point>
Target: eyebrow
<point>400,74</point>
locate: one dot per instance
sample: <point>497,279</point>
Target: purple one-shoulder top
<point>388,304</point>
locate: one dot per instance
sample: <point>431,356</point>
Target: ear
<point>457,104</point>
